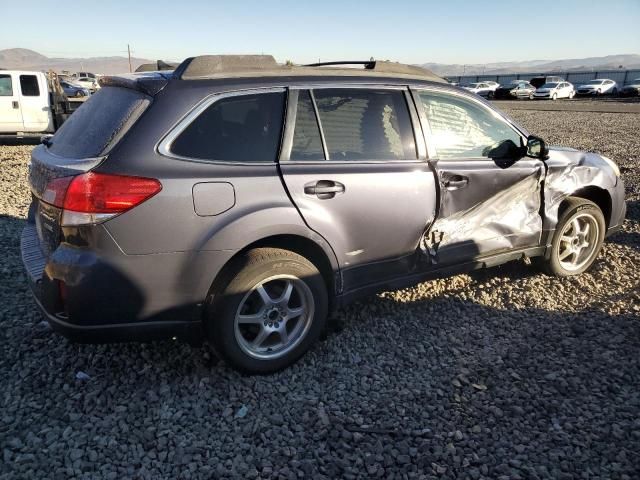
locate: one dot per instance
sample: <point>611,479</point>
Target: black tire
<point>490,96</point>
<point>232,291</point>
<point>614,93</point>
<point>573,208</point>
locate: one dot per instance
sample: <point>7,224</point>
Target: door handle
<point>455,182</point>
<point>15,105</point>
<point>324,189</point>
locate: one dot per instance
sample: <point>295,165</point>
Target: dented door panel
<point>497,210</point>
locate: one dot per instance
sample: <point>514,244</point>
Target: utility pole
<point>129,52</point>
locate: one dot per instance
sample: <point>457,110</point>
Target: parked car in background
<point>492,84</point>
<point>84,75</point>
<point>25,106</point>
<point>89,83</point>
<point>537,82</point>
<point>196,205</point>
<point>631,89</point>
<point>514,89</point>
<point>555,90</point>
<point>73,89</point>
<point>481,88</point>
<point>598,86</point>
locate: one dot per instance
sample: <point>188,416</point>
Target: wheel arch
<point>597,195</point>
<point>313,251</point>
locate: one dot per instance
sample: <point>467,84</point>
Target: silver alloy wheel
<point>578,242</point>
<point>274,316</point>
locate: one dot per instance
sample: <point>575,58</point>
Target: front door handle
<point>455,182</point>
<point>15,105</point>
<point>324,189</point>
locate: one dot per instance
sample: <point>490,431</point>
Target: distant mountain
<point>628,61</point>
<point>23,59</point>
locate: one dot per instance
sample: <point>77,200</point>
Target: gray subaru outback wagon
<point>241,201</point>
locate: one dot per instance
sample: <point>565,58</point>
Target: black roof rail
<point>368,64</point>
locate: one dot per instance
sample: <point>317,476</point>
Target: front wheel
<point>273,308</point>
<point>531,96</point>
<point>554,97</point>
<point>577,240</point>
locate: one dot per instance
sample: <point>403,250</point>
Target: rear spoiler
<point>148,82</point>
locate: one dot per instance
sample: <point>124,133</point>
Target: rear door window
<point>29,86</point>
<point>307,142</point>
<point>365,124</point>
<point>97,126</point>
<point>238,128</point>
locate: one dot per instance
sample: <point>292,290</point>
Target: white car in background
<point>555,90</point>
<point>481,88</point>
<point>598,86</point>
<point>89,83</point>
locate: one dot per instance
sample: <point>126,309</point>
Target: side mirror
<point>536,148</point>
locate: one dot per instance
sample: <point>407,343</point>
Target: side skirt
<point>441,272</point>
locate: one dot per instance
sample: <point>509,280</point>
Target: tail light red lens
<point>101,193</point>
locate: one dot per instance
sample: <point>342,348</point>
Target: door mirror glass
<point>536,147</point>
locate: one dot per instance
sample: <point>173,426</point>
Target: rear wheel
<point>577,240</point>
<point>273,308</point>
<point>614,92</point>
<point>531,96</point>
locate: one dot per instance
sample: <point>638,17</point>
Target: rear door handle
<point>15,105</point>
<point>324,189</point>
<point>455,182</point>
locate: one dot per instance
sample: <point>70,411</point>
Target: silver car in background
<point>598,86</point>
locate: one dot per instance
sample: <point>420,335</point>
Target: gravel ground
<point>501,374</point>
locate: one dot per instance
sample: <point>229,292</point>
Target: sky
<point>444,31</point>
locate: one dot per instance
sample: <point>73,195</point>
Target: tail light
<point>96,197</point>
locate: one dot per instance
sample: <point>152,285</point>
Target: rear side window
<point>6,86</point>
<point>307,143</point>
<point>241,128</point>
<point>365,124</point>
<point>97,126</point>
<point>29,86</point>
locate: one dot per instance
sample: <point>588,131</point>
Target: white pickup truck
<point>31,103</point>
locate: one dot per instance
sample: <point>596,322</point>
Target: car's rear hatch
<point>81,144</point>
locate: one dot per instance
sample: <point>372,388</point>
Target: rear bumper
<point>118,298</point>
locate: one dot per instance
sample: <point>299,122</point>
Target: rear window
<point>97,126</point>
<point>239,128</point>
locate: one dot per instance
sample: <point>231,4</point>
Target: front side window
<point>365,124</point>
<point>29,86</point>
<point>462,128</point>
<point>241,128</point>
<point>6,86</point>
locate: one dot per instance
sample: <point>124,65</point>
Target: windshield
<point>550,85</point>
